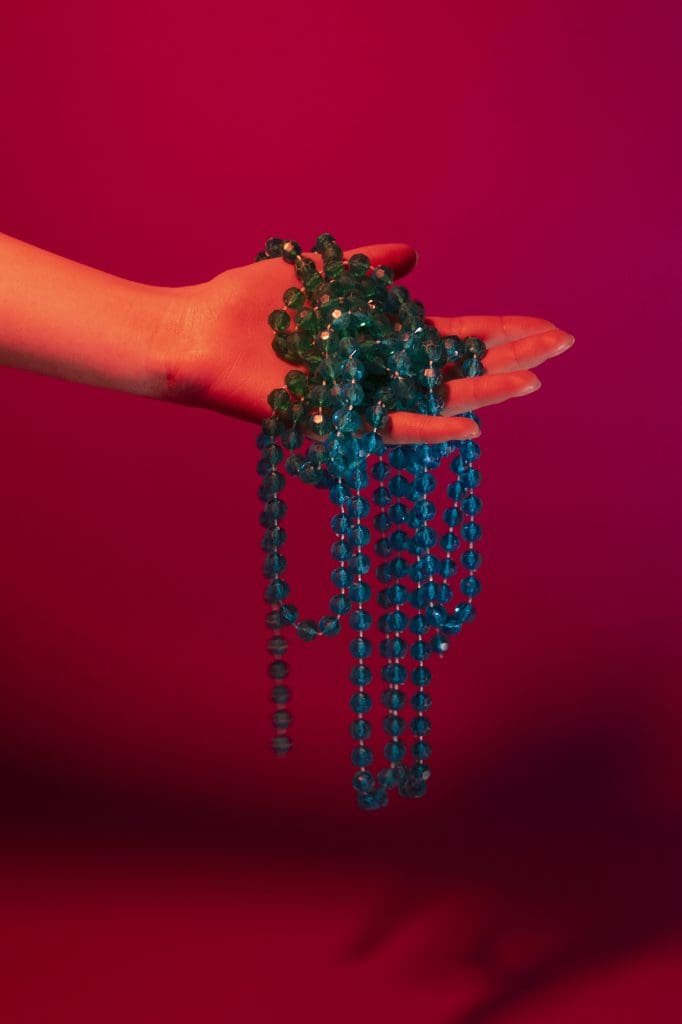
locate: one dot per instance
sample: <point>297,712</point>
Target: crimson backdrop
<point>159,864</point>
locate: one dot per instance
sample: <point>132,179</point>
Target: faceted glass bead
<point>329,625</point>
<point>278,669</point>
<point>281,719</point>
<point>470,586</point>
<point>471,559</point>
<point>471,504</point>
<point>360,619</point>
<point>394,673</point>
<point>281,694</point>
<point>274,563</point>
<point>393,699</point>
<point>340,604</point>
<point>297,382</point>
<point>394,750</point>
<point>361,675</point>
<point>469,450</point>
<point>363,781</point>
<point>464,612</point>
<point>419,650</point>
<point>341,577</point>
<point>276,591</point>
<point>373,801</point>
<point>360,591</point>
<point>421,701</point>
<point>361,703</point>
<point>421,750</point>
<point>421,675</point>
<point>279,320</point>
<point>359,265</point>
<point>278,645</point>
<point>360,647</point>
<point>392,647</point>
<point>361,756</point>
<point>420,726</point>
<point>359,563</point>
<point>391,777</point>
<point>471,531</point>
<point>452,516</point>
<point>449,541</point>
<point>394,725</point>
<point>294,298</point>
<point>289,613</point>
<point>360,729</point>
<point>307,629</point>
<point>274,510</point>
<point>281,744</point>
<point>290,250</point>
<point>412,788</point>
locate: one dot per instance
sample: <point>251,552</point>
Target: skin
<point>209,344</point>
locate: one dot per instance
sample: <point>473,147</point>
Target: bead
<point>279,320</point>
<point>394,750</point>
<point>277,645</point>
<point>361,675</point>
<point>471,504</point>
<point>394,725</point>
<point>361,756</point>
<point>278,669</point>
<point>363,781</point>
<point>360,647</point>
<point>307,629</point>
<point>470,586</point>
<point>393,699</point>
<point>281,694</point>
<point>340,604</point>
<point>421,675</point>
<point>361,703</point>
<point>471,531</point>
<point>329,625</point>
<point>281,719</point>
<point>361,729</point>
<point>394,673</point>
<point>392,647</point>
<point>420,726</point>
<point>281,744</point>
<point>392,777</point>
<point>471,559</point>
<point>421,701</point>
<point>360,619</point>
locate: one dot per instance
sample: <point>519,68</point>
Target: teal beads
<point>404,568</point>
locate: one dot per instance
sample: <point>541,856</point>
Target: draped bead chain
<point>367,351</point>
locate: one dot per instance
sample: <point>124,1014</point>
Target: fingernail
<point>566,343</point>
<point>531,386</point>
<point>472,432</point>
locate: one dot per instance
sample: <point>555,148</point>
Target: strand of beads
<point>367,351</point>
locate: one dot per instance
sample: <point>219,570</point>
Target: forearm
<point>68,320</point>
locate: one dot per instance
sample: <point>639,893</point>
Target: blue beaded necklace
<point>367,351</point>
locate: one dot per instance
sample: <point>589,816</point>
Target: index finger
<point>493,330</point>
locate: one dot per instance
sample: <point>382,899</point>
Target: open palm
<point>227,362</point>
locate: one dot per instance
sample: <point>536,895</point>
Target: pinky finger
<point>415,428</point>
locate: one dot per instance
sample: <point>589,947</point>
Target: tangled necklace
<point>367,351</point>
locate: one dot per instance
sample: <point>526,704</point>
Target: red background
<point>159,863</point>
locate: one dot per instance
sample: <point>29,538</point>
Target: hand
<point>222,358</point>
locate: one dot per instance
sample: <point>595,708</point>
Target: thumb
<point>399,256</point>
